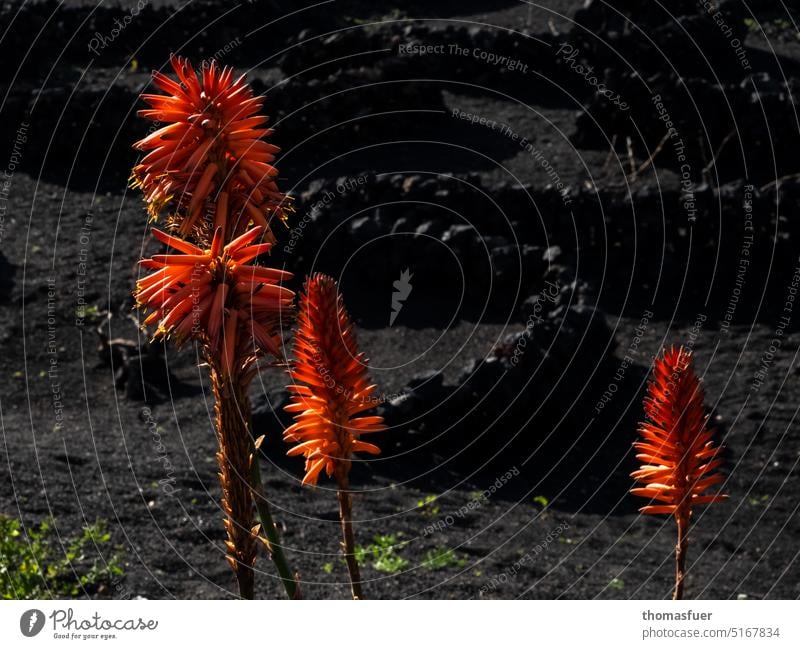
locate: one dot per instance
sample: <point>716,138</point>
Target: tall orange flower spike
<point>209,163</point>
<point>330,391</point>
<point>215,296</point>
<point>211,169</point>
<point>677,448</point>
<point>330,384</point>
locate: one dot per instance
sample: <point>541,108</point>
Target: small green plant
<point>327,568</point>
<point>616,583</point>
<point>442,558</point>
<point>36,564</point>
<point>89,312</point>
<point>382,554</point>
<point>427,507</point>
<point>541,500</point>
<point>779,28</point>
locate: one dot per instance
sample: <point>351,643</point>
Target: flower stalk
<point>345,499</point>
<point>271,541</point>
<point>235,460</point>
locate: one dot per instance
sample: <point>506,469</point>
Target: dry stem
<point>230,404</point>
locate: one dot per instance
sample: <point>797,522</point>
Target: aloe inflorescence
<point>680,460</point>
<point>331,392</point>
<point>210,170</point>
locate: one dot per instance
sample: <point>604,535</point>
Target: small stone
<point>552,254</point>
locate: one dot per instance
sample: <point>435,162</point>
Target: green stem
<point>271,533</point>
<point>348,540</point>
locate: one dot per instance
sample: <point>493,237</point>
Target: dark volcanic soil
<point>545,192</point>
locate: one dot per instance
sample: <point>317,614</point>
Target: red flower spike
<point>330,391</point>
<point>215,296</point>
<point>680,459</point>
<point>210,167</point>
<point>330,386</point>
<point>679,455</point>
<point>209,163</point>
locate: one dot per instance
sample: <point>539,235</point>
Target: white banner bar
<point>371,624</point>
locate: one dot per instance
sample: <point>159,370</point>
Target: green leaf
<point>35,558</point>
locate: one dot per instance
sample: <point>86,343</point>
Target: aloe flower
<point>680,459</point>
<point>216,296</point>
<point>330,393</point>
<point>210,169</point>
<point>209,164</point>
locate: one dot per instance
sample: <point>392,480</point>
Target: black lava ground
<point>633,272</point>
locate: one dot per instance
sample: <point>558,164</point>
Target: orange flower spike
<point>207,165</point>
<point>210,159</point>
<point>210,294</point>
<point>677,448</point>
<point>680,460</point>
<point>330,385</point>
